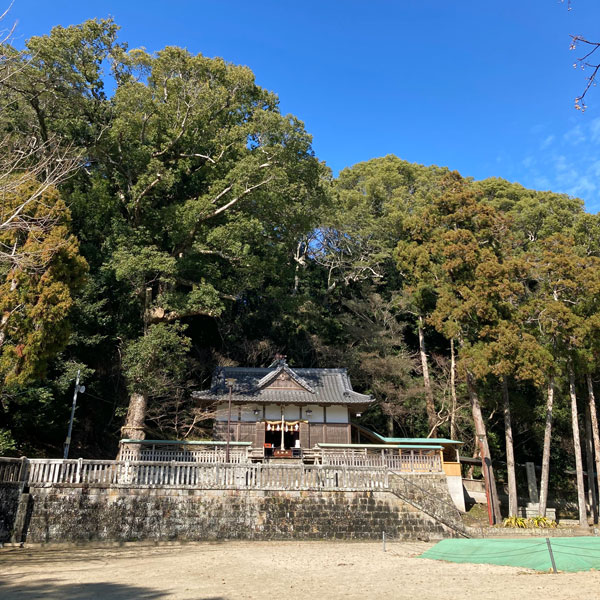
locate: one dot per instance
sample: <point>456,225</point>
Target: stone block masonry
<point>77,513</point>
<point>10,495</point>
<point>429,494</point>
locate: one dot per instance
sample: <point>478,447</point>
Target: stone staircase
<point>429,494</point>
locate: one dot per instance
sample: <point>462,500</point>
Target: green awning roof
<point>398,440</point>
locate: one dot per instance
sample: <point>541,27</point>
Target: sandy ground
<point>272,571</point>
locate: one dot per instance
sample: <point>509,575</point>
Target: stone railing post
<point>22,475</point>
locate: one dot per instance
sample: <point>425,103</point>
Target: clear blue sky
<point>484,87</point>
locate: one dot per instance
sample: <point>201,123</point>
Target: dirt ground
<point>274,570</point>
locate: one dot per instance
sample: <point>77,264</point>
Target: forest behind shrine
<point>160,217</point>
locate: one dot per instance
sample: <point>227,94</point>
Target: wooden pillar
<point>259,434</point>
<point>304,435</point>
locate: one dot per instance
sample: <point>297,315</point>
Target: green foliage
<point>37,293</point>
<point>195,187</point>
<point>155,363</point>
<point>534,215</point>
<point>7,443</point>
<point>142,266</point>
<point>214,235</point>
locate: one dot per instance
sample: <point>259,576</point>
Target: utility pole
<point>230,383</point>
<point>78,388</point>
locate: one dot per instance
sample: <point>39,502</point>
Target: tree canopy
<point>160,216</point>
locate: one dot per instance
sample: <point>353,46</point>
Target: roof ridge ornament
<point>278,361</point>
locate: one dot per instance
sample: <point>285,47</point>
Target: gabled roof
<point>271,377</point>
<point>251,385</point>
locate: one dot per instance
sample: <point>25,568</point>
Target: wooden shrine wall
<point>310,433</point>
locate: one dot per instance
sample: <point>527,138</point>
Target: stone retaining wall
<point>10,494</point>
<point>76,514</point>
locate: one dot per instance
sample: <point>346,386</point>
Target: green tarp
<point>570,553</point>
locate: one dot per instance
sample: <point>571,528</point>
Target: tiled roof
<point>322,386</point>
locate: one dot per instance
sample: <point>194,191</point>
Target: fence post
<point>551,555</point>
<point>21,477</point>
<point>78,473</point>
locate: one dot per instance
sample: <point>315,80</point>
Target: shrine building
<point>298,415</point>
<point>283,410</point>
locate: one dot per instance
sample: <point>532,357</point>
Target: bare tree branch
<point>583,63</point>
<point>229,204</point>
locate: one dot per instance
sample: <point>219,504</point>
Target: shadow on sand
<point>54,590</point>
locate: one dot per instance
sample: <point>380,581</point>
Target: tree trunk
<point>3,323</point>
<point>577,449</point>
<point>136,412</point>
<point>300,260</point>
<point>510,454</point>
<point>296,280</point>
<point>480,431</point>
<point>595,434</point>
<point>546,451</point>
<point>6,316</point>
<point>589,467</point>
<point>390,426</point>
<point>429,403</point>
<point>452,390</point>
<point>136,416</point>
